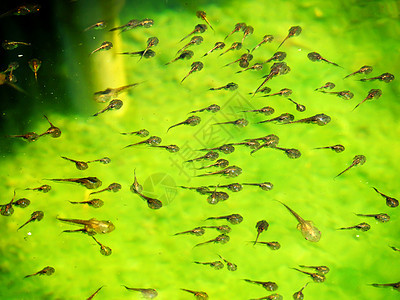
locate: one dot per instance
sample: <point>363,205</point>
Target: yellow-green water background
<point>145,254</point>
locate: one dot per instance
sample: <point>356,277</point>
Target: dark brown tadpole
<point>390,201</point>
<point>80,165</point>
<point>395,286</point>
<point>187,54</point>
<point>363,69</point>
<point>169,148</point>
<point>277,56</point>
<point>45,188</point>
<point>233,218</point>
<point>271,245</point>
<point>283,92</point>
<point>141,133</point>
<point>105,160</point>
<point>211,155</point>
<point>265,186</point>
<point>282,119</point>
<point>29,137</point>
<point>88,182</point>
<point>256,67</point>
<point>221,163</point>
<point>113,187</point>
<point>238,123</point>
<point>299,107</point>
<point>191,121</point>
<point>95,203</point>
<point>385,77</point>
<point>97,26</point>
<point>234,46</point>
<point>106,45</point>
<point>198,231</point>
<point>22,203</point>
<point>293,31</point>
<point>198,294</point>
<point>372,94</point>
<point>249,143</point>
<point>222,228</point>
<point>337,148</point>
<point>243,60</point>
<point>211,108</point>
<point>196,66</point>
<point>247,31</point>
<point>136,187</point>
<point>7,209</point>
<point>319,119</point>
<point>114,104</point>
<point>130,25</point>
<point>225,148</point>
<point>266,39</point>
<point>228,87</point>
<point>199,28</point>
<point>362,227</point>
<point>315,276</point>
<point>196,40</point>
<point>383,218</point>
<point>261,226</point>
<point>280,68</point>
<point>221,239</point>
<point>53,131</point>
<point>234,187</point>
<point>238,27</point>
<point>345,95</point>
<point>323,270</point>
<point>299,295</point>
<point>45,271</point>
<point>218,45</point>
<point>231,171</point>
<point>217,265</point>
<point>326,86</point>
<point>151,202</point>
<point>358,160</point>
<point>104,250</point>
<point>147,53</point>
<point>202,15</point>
<point>36,215</point>
<point>268,285</point>
<point>146,293</point>
<point>314,56</point>
<point>151,141</point>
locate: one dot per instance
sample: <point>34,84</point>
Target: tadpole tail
<point>174,126</point>
<point>348,168</point>
<point>229,35</point>
<point>186,36</point>
<point>185,77</point>
<point>354,73</point>
<point>359,104</point>
<point>332,63</point>
<point>282,42</point>
<point>24,224</point>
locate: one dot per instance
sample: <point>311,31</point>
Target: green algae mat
<point>146,253</point>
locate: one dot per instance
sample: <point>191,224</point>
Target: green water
<point>145,252</point>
